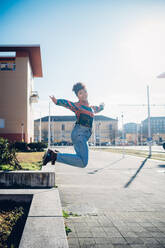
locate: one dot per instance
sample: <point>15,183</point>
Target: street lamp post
<point>49,127</point>
<point>99,134</point>
<point>122,116</point>
<point>94,132</point>
<point>137,134</point>
<point>141,136</point>
<point>22,131</point>
<point>40,129</point>
<point>149,123</point>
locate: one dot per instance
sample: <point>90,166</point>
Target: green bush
<point>21,146</point>
<point>37,146</point>
<point>7,154</point>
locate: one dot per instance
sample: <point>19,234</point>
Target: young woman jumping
<point>81,131</point>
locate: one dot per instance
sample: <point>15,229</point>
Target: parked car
<point>63,143</point>
<point>163,146</point>
<point>106,143</point>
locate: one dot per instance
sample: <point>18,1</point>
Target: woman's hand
<point>53,99</point>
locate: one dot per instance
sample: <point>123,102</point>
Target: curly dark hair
<point>77,87</point>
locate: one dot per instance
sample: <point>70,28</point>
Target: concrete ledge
<point>45,224</point>
<point>27,179</point>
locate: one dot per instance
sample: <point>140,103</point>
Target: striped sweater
<point>84,113</point>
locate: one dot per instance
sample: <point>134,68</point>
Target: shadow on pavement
<point>105,167</point>
<point>134,176</point>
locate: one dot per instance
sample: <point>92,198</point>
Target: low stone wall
<point>44,227</point>
<point>27,179</point>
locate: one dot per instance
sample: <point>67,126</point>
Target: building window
<point>2,123</point>
<point>63,127</point>
<point>7,66</point>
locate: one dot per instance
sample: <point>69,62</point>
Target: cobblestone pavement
<point>120,202</point>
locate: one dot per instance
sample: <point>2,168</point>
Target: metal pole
<point>149,123</point>
<point>141,135</point>
<point>99,135</point>
<point>49,127</point>
<point>123,135</point>
<point>114,135</point>
<point>137,141</point>
<point>40,128</point>
<point>22,127</point>
<point>94,133</point>
<point>53,131</point>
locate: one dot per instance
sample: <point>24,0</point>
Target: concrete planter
<point>44,226</point>
<point>27,179</point>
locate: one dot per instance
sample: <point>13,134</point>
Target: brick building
<point>17,95</point>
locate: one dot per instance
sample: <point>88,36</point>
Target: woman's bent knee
<point>84,164</point>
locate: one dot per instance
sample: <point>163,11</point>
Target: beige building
<point>17,94</point>
<point>157,128</point>
<point>105,129</point>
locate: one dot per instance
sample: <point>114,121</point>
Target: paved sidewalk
<point>121,201</point>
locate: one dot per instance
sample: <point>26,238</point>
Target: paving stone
<point>85,235</point>
<point>102,240</point>
<point>104,246</point>
<point>93,223</point>
<point>155,246</point>
<point>147,224</point>
<point>161,228</point>
<point>72,234</point>
<point>152,229</point>
<point>150,241</point>
<point>86,242</point>
<point>157,234</point>
<point>118,241</point>
<point>73,241</point>
<point>143,234</point>
<point>74,246</point>
<point>136,246</point>
<point>88,246</point>
<point>129,234</point>
<point>161,240</point>
<point>131,240</point>
<point>99,234</point>
<point>80,228</point>
<point>121,246</point>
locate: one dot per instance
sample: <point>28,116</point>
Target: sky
<point>116,48</point>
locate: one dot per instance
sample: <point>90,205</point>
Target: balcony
<point>34,97</point>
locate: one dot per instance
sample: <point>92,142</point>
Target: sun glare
<point>143,45</point>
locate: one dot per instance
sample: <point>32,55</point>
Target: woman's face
<point>82,95</point>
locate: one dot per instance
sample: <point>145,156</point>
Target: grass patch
<point>67,230</point>
<point>28,161</point>
<point>133,152</point>
<point>66,215</point>
<point>29,156</point>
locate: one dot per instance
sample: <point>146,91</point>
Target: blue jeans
<point>80,135</point>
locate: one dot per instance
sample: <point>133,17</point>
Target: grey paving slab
<point>50,204</point>
<point>120,199</point>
